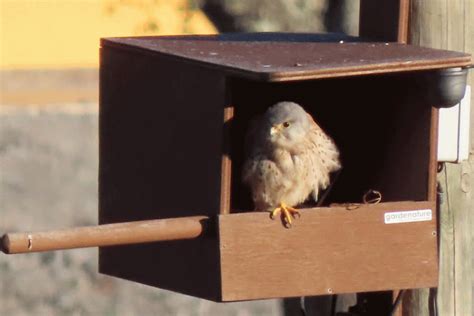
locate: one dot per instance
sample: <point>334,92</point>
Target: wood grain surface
<point>447,24</point>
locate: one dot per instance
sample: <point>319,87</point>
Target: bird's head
<point>286,124</point>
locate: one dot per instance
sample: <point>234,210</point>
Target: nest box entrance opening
<point>381,129</point>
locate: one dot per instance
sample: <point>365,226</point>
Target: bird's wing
<point>327,149</point>
<point>324,157</point>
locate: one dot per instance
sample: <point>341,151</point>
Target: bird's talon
<point>286,221</point>
<point>275,212</point>
<point>287,213</point>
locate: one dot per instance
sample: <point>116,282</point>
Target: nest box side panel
<point>161,125</point>
<point>327,251</point>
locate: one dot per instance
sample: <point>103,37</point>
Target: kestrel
<point>289,158</point>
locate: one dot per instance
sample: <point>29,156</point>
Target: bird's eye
<point>286,124</point>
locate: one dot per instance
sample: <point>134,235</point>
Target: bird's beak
<point>275,129</point>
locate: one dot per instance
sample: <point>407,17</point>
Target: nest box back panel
<point>160,157</point>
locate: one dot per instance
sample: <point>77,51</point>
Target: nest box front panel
<point>160,157</point>
<point>327,251</point>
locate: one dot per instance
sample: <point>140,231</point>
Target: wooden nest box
<point>173,116</point>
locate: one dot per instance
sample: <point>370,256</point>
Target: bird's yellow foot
<point>287,212</point>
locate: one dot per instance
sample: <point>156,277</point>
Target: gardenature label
<point>407,216</point>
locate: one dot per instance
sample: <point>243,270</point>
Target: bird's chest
<point>291,166</point>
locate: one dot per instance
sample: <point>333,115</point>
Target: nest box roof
<point>290,56</point>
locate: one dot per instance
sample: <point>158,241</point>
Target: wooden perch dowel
<point>106,235</point>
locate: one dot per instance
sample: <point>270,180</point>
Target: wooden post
<point>384,20</point>
<point>447,24</point>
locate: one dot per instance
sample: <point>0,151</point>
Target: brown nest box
<point>173,115</point>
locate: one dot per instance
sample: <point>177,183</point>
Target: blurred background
<point>49,137</point>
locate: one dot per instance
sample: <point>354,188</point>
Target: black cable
<point>333,305</point>
<point>397,302</point>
